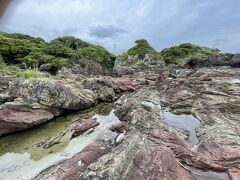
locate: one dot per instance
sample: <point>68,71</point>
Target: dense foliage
<point>141,48</point>
<point>179,54</point>
<point>30,52</point>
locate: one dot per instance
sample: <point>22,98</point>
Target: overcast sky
<point>164,23</point>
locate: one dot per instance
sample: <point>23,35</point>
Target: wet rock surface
<point>84,126</point>
<point>73,168</point>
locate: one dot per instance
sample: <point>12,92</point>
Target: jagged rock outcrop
<point>132,64</point>
<point>90,68</point>
<point>140,57</point>
<point>232,60</point>
<point>4,82</point>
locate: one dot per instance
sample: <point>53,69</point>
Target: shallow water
<point>207,175</point>
<point>234,81</point>
<point>24,155</point>
<point>227,80</point>
<point>183,121</point>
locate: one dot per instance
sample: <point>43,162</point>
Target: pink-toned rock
<point>18,118</point>
<point>204,156</point>
<point>156,162</point>
<point>127,83</point>
<point>84,126</point>
<point>72,169</point>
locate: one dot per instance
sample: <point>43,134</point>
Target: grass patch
<point>30,74</point>
<point>8,70</point>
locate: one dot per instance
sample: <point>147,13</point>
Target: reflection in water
<point>183,121</point>
<point>25,154</point>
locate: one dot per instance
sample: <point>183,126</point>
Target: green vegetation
<point>98,53</point>
<point>142,48</point>
<point>30,73</point>
<point>18,52</point>
<point>179,54</point>
<point>8,70</point>
<point>172,55</point>
<point>29,52</point>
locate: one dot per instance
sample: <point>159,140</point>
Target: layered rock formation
<point>36,98</point>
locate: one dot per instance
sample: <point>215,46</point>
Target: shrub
<point>97,54</point>
<point>58,49</point>
<point>14,46</point>
<point>141,48</point>
<point>179,54</point>
<point>71,42</point>
<point>30,74</point>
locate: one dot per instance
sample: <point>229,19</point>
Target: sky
<point>116,24</point>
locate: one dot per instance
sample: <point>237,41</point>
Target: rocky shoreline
<point>145,145</point>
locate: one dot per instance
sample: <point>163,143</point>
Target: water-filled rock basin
<point>24,155</point>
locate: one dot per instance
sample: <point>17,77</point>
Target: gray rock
<point>53,93</point>
<point>106,94</point>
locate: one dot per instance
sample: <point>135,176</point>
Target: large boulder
<point>54,93</point>
<point>18,118</point>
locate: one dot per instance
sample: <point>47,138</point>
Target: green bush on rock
<point>98,54</point>
<point>142,48</point>
<point>181,53</point>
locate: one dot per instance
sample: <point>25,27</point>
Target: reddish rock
<point>127,83</point>
<point>18,118</point>
<point>73,168</point>
<point>204,156</point>
<point>84,126</point>
<point>156,162</point>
